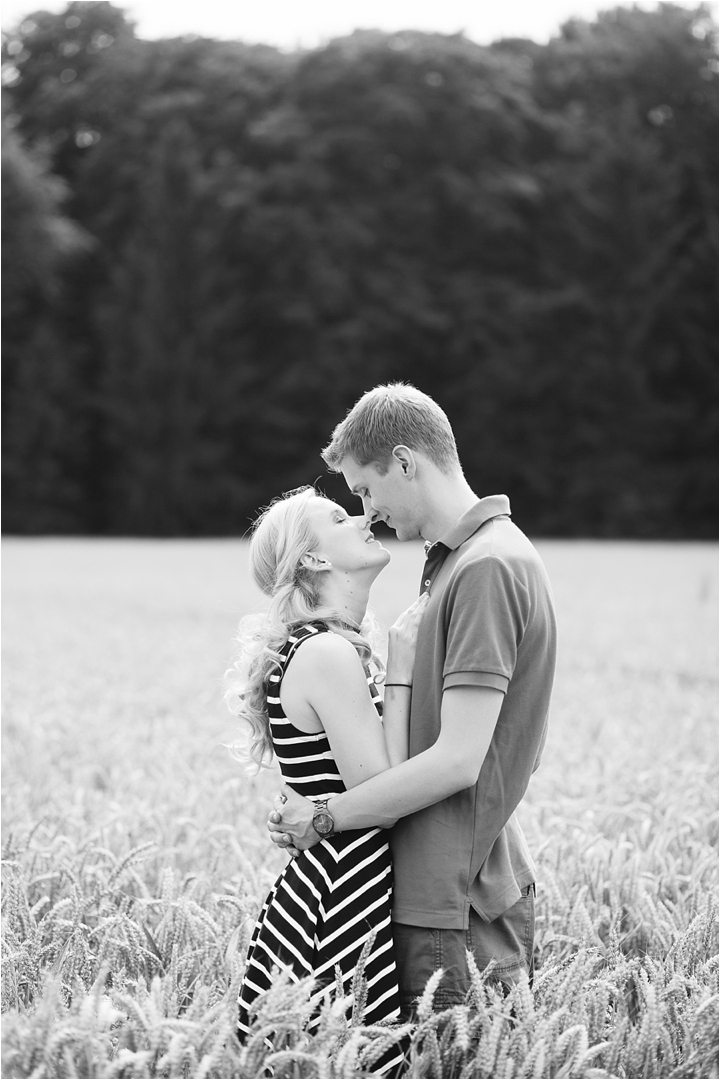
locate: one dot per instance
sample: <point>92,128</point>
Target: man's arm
<point>468,718</point>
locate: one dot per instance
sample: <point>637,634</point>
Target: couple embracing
<point>398,811</point>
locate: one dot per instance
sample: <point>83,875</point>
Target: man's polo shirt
<point>489,622</point>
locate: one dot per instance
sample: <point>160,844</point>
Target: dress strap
<point>295,639</point>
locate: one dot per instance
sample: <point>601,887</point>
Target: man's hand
<point>290,823</point>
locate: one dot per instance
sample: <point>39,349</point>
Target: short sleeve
<point>487,614</point>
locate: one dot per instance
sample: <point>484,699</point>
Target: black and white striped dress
<point>331,899</point>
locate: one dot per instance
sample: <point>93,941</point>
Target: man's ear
<point>311,561</point>
<point>406,460</point>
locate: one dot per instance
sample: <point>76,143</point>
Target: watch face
<point>323,823</point>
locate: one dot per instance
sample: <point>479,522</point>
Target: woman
<point>304,684</point>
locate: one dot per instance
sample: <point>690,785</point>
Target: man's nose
<point>370,512</point>
<point>364,521</point>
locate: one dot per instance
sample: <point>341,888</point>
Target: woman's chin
<point>383,558</point>
<point>387,556</point>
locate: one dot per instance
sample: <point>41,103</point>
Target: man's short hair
<point>388,416</point>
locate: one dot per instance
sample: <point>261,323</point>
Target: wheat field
<point>135,855</point>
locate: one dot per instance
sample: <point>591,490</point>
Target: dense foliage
<point>213,249</point>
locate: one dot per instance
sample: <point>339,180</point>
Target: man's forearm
<point>388,796</point>
<point>451,764</point>
<point>469,716</point>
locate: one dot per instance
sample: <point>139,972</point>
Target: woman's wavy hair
<point>281,536</point>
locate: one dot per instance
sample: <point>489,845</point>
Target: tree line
<point>210,250</point>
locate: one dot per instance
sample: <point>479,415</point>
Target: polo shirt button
<point>427,583</point>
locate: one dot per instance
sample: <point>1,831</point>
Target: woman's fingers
<point>275,824</point>
<point>410,618</point>
<point>281,839</point>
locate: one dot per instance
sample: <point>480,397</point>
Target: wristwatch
<point>323,822</point>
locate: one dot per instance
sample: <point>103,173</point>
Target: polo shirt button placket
<point>428,548</point>
<point>434,557</point>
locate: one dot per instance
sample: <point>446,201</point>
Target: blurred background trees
<point>211,250</point>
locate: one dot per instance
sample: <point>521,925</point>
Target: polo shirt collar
<point>483,510</point>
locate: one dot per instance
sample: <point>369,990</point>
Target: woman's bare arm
<point>325,688</point>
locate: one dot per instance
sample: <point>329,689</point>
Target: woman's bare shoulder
<point>322,649</point>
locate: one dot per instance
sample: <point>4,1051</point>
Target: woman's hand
<point>402,639</point>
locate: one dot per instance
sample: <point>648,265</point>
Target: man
<point>481,688</point>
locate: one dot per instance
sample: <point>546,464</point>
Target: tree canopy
<point>212,249</point>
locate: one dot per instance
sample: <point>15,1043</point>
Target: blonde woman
<point>305,681</point>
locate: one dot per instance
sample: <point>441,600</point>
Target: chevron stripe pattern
<point>334,899</point>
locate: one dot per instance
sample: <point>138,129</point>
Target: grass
<point>135,853</point>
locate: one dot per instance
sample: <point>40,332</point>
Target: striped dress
<point>330,900</point>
